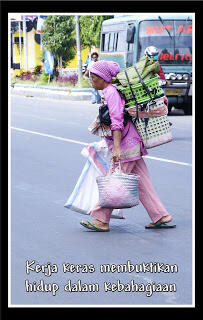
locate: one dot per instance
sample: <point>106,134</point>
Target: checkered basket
<point>141,95</point>
<point>154,131</point>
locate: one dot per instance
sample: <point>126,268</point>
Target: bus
<point>125,38</point>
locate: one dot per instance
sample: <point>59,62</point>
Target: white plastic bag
<point>85,194</point>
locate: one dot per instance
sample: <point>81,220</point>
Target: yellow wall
<point>84,55</point>
<point>33,51</point>
<point>37,54</point>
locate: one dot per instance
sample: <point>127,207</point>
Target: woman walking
<point>127,147</point>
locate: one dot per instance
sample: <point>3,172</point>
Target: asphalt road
<point>44,170</point>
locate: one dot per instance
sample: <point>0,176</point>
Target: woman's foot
<point>95,225</point>
<point>164,219</point>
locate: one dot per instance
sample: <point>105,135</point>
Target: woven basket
<point>118,190</point>
<point>140,93</point>
<point>156,132</point>
<point>149,109</point>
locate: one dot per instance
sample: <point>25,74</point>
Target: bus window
<point>153,33</point>
<point>106,42</point>
<point>121,41</point>
<point>102,41</point>
<point>183,42</point>
<point>113,37</point>
<point>130,45</point>
<point>173,38</point>
<point>115,41</point>
<point>130,33</point>
<point>111,42</point>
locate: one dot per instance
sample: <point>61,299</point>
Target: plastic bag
<point>85,194</point>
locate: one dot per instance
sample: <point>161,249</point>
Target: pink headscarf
<point>105,69</point>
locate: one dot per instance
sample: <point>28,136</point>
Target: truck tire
<point>188,107</point>
<point>169,108</point>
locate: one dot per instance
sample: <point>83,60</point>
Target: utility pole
<point>79,63</point>
<point>25,43</point>
<point>19,26</point>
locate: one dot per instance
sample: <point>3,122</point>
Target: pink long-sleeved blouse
<point>131,144</point>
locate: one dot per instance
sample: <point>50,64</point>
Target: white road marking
<point>86,143</point>
<point>49,136</point>
<point>32,116</point>
<point>172,161</point>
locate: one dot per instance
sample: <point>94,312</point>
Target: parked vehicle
<point>125,38</point>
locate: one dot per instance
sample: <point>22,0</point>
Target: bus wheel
<point>169,109</point>
<point>188,108</point>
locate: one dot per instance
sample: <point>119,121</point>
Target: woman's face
<point>97,82</point>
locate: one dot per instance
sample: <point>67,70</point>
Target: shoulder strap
<point>132,92</point>
<point>143,84</point>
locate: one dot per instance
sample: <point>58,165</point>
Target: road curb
<point>52,92</point>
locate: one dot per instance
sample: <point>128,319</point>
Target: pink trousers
<point>147,194</point>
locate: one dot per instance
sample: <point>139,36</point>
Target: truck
<point>125,38</point>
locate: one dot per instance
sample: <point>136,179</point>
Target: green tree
<point>59,38</point>
<point>90,30</point>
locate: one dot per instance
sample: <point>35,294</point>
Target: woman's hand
<point>116,155</point>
